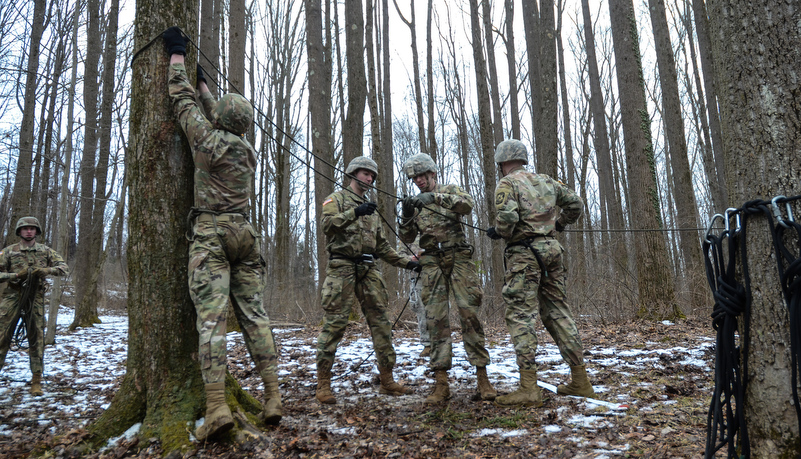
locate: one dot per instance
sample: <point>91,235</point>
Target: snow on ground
<point>95,358</point>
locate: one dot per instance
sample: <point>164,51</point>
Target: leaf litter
<point>653,383</point>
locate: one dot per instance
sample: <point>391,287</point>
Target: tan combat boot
<point>426,352</point>
<point>272,401</point>
<point>388,384</point>
<point>485,389</point>
<point>36,384</point>
<point>528,394</point>
<point>441,390</point>
<point>324,394</point>
<point>218,415</point>
<point>579,383</point>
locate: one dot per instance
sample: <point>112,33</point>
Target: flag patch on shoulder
<point>328,201</point>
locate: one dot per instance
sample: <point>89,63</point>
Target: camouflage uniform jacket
<point>15,258</point>
<point>351,236</point>
<point>225,163</point>
<point>443,229</point>
<point>527,205</point>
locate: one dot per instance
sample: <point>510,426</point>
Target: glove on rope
<point>200,75</point>
<point>423,199</point>
<point>414,266</point>
<point>492,234</point>
<point>366,209</point>
<point>175,41</point>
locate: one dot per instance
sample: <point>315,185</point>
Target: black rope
<point>25,330</point>
<point>725,419</point>
<point>790,279</point>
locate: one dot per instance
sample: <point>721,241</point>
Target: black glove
<point>493,234</point>
<point>408,207</point>
<point>366,209</point>
<point>559,227</point>
<point>414,266</point>
<point>200,75</point>
<point>175,41</point>
<point>423,199</point>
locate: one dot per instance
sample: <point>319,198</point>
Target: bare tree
<point>353,129</point>
<point>683,193</point>
<point>418,92</point>
<point>318,48</point>
<point>657,298</point>
<point>21,196</point>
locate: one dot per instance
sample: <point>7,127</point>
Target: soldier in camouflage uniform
<point>225,261</point>
<point>25,265</point>
<point>535,274</point>
<point>436,214</point>
<point>354,239</point>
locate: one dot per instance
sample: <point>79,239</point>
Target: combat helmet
<point>28,221</point>
<point>510,150</point>
<point>233,113</point>
<point>362,162</point>
<point>419,164</point>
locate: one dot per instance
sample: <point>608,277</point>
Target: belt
<point>366,258</point>
<point>226,217</point>
<point>444,247</point>
<point>525,242</point>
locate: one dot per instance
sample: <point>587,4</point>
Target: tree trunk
<point>657,300</point>
<point>492,73</point>
<point>237,38</point>
<point>683,193</point>
<point>210,41</point>
<point>710,87</point>
<point>61,226</point>
<point>531,27</point>
<point>547,140</point>
<point>319,74</point>
<point>162,387</point>
<point>511,64</point>
<point>756,51</point>
<point>353,128</point>
<point>85,257</point>
<point>606,188</point>
<point>418,91</point>
<point>21,197</point>
<point>487,148</point>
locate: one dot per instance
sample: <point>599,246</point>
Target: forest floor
<point>654,382</point>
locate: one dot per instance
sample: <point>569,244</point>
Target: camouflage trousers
<point>225,264</point>
<point>528,293</point>
<point>419,309</point>
<point>346,281</point>
<point>452,271</point>
<point>9,315</point>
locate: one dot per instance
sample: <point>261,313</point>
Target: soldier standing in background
<point>225,261</point>
<point>24,266</point>
<point>535,274</point>
<point>354,238</point>
<point>436,215</point>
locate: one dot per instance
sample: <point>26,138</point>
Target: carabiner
<point>732,210</point>
<point>711,224</point>
<point>778,212</point>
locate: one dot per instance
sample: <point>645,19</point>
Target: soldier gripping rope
<point>535,274</point>
<point>24,266</point>
<point>447,267</point>
<point>225,261</point>
<point>354,239</point>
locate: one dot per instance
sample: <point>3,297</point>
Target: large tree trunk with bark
<point>757,47</point>
<point>162,387</point>
<point>657,298</point>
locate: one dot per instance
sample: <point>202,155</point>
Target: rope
<point>25,327</point>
